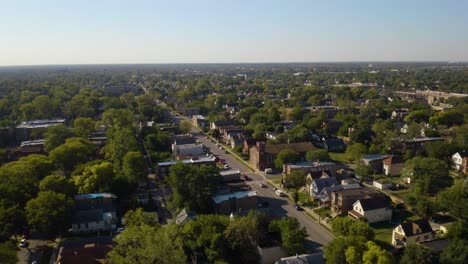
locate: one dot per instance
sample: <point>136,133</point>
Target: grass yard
<point>383,233</point>
<point>8,252</point>
<point>323,212</point>
<point>340,157</point>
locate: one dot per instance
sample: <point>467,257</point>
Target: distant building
<point>85,250</point>
<point>116,90</point>
<point>180,140</point>
<point>217,124</point>
<point>412,232</point>
<point>31,147</point>
<point>185,216</point>
<point>418,143</point>
<point>324,197</point>
<point>188,150</point>
<point>94,212</point>
<point>393,165</point>
<point>191,111</point>
<point>230,175</point>
<point>262,156</point>
<point>24,130</point>
<point>199,121</point>
<point>375,162</point>
<point>313,169</point>
<point>382,184</point>
<point>399,114</point>
<point>163,168</point>
<point>233,202</point>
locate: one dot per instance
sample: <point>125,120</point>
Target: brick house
<point>342,201</point>
<point>262,156</point>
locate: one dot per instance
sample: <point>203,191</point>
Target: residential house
<point>262,156</point>
<point>236,140</point>
<point>313,169</point>
<point>324,197</point>
<point>94,212</point>
<point>237,201</point>
<point>182,140</point>
<point>393,165</point>
<point>460,161</point>
<point>412,232</point>
<point>199,121</point>
<point>185,216</point>
<point>317,185</point>
<point>287,124</point>
<point>399,114</point>
<point>328,142</point>
<point>163,168</point>
<point>342,201</point>
<point>375,209</point>
<point>220,123</point>
<point>418,143</point>
<point>375,161</point>
<point>316,258</point>
<point>84,250</point>
<point>191,111</point>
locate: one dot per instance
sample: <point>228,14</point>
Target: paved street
<point>318,236</point>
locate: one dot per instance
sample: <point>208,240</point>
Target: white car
<point>23,243</point>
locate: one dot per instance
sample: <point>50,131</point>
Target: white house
<point>375,209</point>
<point>460,160</point>
<point>412,232</point>
<point>382,184</point>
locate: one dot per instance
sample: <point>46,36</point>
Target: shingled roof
<point>300,147</point>
<point>374,203</point>
<point>411,227</point>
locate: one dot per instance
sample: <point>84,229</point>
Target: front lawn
<point>383,233</point>
<point>323,212</point>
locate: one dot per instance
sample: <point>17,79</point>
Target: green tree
<point>347,226</point>
<point>440,149</point>
<point>286,156</point>
<point>376,255</point>
<point>185,126</point>
<point>8,253</point>
<point>295,179</point>
<point>292,234</point>
<point>416,253</point>
<point>12,219</point>
<point>139,217</point>
<point>120,141</point>
<point>356,151</point>
<point>97,178</point>
<point>455,199</point>
<point>204,239</point>
<point>456,252</point>
<point>428,175</point>
<point>148,244</point>
<point>193,186</point>
<point>317,155</point>
<point>242,237</point>
<point>57,183</point>
<point>49,212</point>
<point>74,151</point>
<point>134,166</point>
<point>84,126</point>
<point>121,118</point>
<point>56,136</point>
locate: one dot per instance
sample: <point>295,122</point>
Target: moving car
<point>297,207</point>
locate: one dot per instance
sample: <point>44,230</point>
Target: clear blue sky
<point>199,31</point>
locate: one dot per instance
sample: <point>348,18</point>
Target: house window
<point>426,237</point>
<point>417,239</point>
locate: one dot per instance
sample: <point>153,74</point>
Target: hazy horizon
<point>105,32</point>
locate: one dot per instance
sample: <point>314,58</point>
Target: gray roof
<point>185,216</point>
<point>316,258</point>
<point>324,182</point>
<point>374,203</point>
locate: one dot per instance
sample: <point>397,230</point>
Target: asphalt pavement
<point>318,235</point>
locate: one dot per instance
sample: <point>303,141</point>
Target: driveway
<point>34,252</point>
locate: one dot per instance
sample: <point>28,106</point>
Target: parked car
<point>297,207</point>
<point>262,185</point>
<point>268,171</point>
<point>24,243</point>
